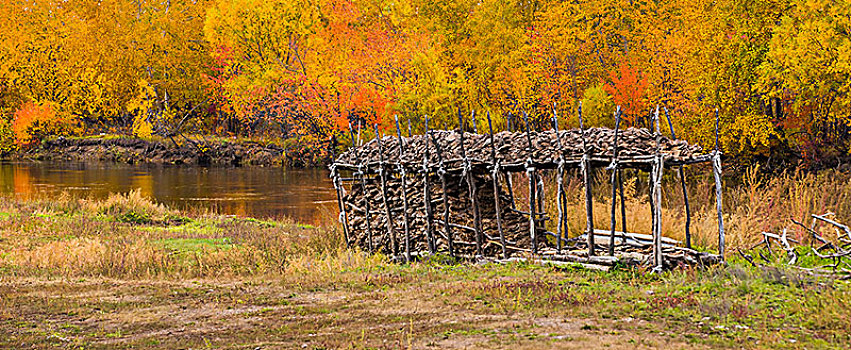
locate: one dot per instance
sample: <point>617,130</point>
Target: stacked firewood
<point>462,224</point>
<point>514,148</point>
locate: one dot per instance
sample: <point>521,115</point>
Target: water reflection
<point>257,192</point>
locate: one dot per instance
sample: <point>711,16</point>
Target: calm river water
<point>302,194</point>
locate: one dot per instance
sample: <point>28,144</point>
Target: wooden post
<point>716,172</point>
<point>530,172</point>
<point>402,175</point>
<point>432,248</point>
<point>539,191</point>
<point>361,176</point>
<point>656,179</point>
<point>586,179</point>
<point>495,178</point>
<point>623,201</point>
<point>510,185</point>
<point>509,181</point>
<point>614,168</point>
<point>682,175</point>
<point>382,171</point>
<point>656,191</point>
<point>441,171</point>
<point>335,178</point>
<point>471,185</point>
<point>559,183</point>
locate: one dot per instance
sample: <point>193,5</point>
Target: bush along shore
<point>196,151</point>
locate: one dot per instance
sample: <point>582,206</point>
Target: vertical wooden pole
<point>530,172</point>
<point>402,178</point>
<point>335,178</point>
<point>656,178</point>
<point>495,178</point>
<point>508,176</point>
<point>623,201</point>
<point>614,169</point>
<point>716,172</point>
<point>539,191</point>
<point>656,186</point>
<point>441,171</point>
<point>559,183</point>
<point>682,174</point>
<point>586,179</point>
<point>382,171</point>
<point>471,185</point>
<point>510,185</point>
<point>427,190</point>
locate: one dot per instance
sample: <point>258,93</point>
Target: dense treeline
<point>778,70</point>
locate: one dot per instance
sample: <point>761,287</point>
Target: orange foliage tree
<point>34,122</point>
<point>628,89</point>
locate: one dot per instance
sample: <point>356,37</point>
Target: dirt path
<point>100,313</point>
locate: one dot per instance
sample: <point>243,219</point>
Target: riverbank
<point>126,272</point>
<point>195,151</point>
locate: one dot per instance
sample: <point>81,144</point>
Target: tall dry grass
<point>753,202</point>
<point>127,235</point>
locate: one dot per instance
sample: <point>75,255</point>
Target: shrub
<point>34,122</point>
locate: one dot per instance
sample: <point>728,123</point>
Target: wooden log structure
<point>451,192</point>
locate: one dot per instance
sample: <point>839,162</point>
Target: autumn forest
<point>306,70</point>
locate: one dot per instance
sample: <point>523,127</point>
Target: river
<point>303,194</point>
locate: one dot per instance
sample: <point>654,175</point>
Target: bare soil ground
<point>106,313</point>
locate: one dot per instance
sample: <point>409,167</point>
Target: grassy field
<point>125,272</point>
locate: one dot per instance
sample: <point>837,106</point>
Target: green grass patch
<point>189,228</point>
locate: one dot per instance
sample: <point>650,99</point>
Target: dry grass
<point>130,236</point>
<point>753,203</point>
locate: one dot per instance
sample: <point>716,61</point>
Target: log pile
<point>515,226</point>
<point>636,149</point>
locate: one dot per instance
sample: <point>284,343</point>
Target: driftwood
<point>836,255</point>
